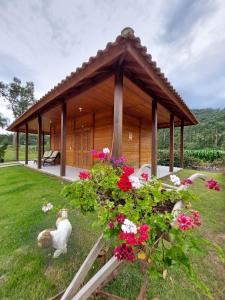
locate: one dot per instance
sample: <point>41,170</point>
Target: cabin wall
<point>136,143</point>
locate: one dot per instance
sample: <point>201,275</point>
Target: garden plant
<point>137,215</point>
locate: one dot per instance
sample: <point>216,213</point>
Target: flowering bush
<point>139,213</point>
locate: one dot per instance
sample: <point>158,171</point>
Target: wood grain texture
<point>26,143</point>
<point>154,139</point>
<point>171,143</point>
<point>118,114</point>
<point>63,139</point>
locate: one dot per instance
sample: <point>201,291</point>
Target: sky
<point>45,40</point>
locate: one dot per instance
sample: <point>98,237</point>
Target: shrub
<point>2,152</point>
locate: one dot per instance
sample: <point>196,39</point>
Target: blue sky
<point>44,40</point>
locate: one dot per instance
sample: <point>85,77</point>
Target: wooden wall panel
<point>136,145</point>
<point>145,143</point>
<point>103,130</point>
<point>130,147</point>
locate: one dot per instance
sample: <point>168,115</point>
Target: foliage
<point>3,121</point>
<point>209,133</point>
<point>138,215</point>
<point>23,264</point>
<point>20,97</point>
<point>193,158</point>
<point>2,152</point>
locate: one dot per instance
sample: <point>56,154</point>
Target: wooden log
<point>118,114</point>
<point>63,139</point>
<point>86,266</point>
<point>171,142</point>
<point>39,140</point>
<point>92,285</point>
<point>26,143</point>
<point>17,145</point>
<point>154,139</point>
<point>182,144</point>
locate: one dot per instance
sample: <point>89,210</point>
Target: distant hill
<point>210,133</point>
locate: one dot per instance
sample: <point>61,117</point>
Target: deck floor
<point>72,173</point>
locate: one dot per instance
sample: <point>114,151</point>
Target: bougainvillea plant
<point>137,212</point>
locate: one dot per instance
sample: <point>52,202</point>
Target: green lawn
<point>27,272</point>
<point>10,153</point>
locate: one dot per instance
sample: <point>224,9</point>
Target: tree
<point>3,121</point>
<point>19,97</point>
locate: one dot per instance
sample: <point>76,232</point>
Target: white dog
<point>57,238</point>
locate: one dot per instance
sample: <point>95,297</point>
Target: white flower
<point>106,150</point>
<point>135,182</point>
<point>129,227</point>
<point>175,179</point>
<point>47,207</point>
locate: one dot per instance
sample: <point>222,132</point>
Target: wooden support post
<point>17,145</point>
<point>63,139</point>
<point>182,144</point>
<point>26,143</point>
<point>118,114</point>
<point>171,142</point>
<point>90,287</point>
<point>84,269</point>
<point>154,139</point>
<point>39,141</point>
<point>43,143</point>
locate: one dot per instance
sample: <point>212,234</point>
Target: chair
<point>46,155</point>
<point>53,159</point>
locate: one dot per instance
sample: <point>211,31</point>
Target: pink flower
<point>185,222</point>
<point>94,153</point>
<point>84,175</point>
<point>144,176</point>
<point>123,252</point>
<point>120,218</point>
<point>186,181</point>
<point>196,218</point>
<point>213,185</point>
<point>111,225</point>
<point>102,155</point>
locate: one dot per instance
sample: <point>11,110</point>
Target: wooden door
<point>83,146</point>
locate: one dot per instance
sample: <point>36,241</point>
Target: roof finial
<point>127,31</point>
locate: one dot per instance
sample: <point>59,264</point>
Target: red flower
<point>186,181</point>
<point>213,185</point>
<point>124,183</point>
<point>84,175</point>
<point>129,238</point>
<point>120,218</point>
<point>127,170</point>
<point>102,155</point>
<point>136,239</point>
<point>144,176</point>
<point>124,251</point>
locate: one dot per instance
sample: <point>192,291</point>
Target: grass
<point>27,272</point>
<point>10,153</point>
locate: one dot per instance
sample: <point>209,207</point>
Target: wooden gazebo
<point>118,99</point>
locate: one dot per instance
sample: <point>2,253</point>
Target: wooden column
<point>26,144</point>
<point>171,142</point>
<point>63,140</point>
<point>154,139</point>
<point>17,145</point>
<point>118,114</point>
<point>39,141</point>
<point>43,143</point>
<point>182,144</point>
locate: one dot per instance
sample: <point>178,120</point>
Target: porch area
<point>72,173</point>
